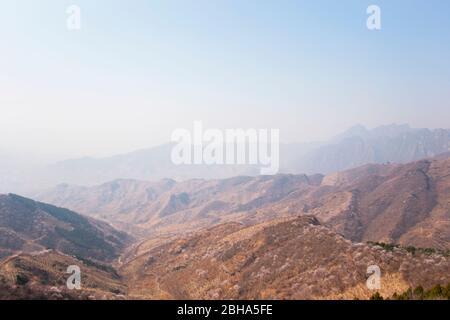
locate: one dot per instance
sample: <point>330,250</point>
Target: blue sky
<point>139,69</point>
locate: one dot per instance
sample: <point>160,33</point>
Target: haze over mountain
<point>93,95</point>
<point>355,147</point>
<point>242,236</point>
<point>358,146</point>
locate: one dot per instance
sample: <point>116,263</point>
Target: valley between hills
<point>266,237</point>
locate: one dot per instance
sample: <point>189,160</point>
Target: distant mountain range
<point>355,147</point>
<point>359,146</point>
<point>398,203</point>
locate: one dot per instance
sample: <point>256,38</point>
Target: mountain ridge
<point>29,226</point>
<point>404,203</point>
<point>352,148</point>
<point>294,258</point>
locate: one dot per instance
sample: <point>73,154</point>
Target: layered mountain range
<point>406,204</point>
<point>287,236</point>
<point>355,147</point>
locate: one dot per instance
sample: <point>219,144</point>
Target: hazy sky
<point>139,69</point>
